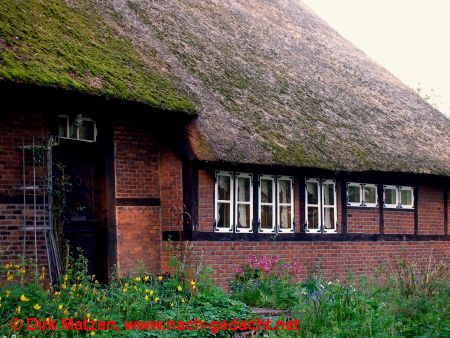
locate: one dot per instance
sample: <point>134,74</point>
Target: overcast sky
<point>411,38</point>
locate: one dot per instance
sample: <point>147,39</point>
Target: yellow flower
<point>7,292</point>
<point>88,315</point>
<point>22,271</point>
<point>194,287</point>
<point>125,290</point>
<point>156,300</point>
<point>37,307</point>
<point>146,278</point>
<point>78,277</point>
<point>146,298</point>
<point>92,333</point>
<point>179,288</point>
<point>192,283</point>
<point>60,307</point>
<point>23,298</point>
<point>9,276</point>
<point>138,279</point>
<point>66,312</point>
<point>160,278</point>
<point>57,293</point>
<point>135,288</point>
<point>171,304</point>
<point>182,300</point>
<point>19,308</point>
<point>63,286</point>
<point>127,285</point>
<point>151,292</point>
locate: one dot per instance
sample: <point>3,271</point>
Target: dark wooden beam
<point>302,201</point>
<point>380,206</point>
<point>190,196</point>
<point>302,237</point>
<point>416,209</point>
<point>344,204</point>
<point>446,209</point>
<point>111,224</point>
<point>138,202</point>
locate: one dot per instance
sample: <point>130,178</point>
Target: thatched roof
<point>273,84</point>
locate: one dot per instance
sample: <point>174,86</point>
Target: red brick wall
<point>14,126</point>
<point>171,191</point>
<point>146,167</point>
<point>136,163</point>
<point>205,201</point>
<point>363,220</point>
<point>330,259</point>
<point>138,238</point>
<point>398,222</point>
<point>431,210</point>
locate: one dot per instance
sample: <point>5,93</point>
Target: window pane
<point>370,195</point>
<point>390,196</point>
<point>223,215</point>
<point>224,183</point>
<point>243,216</point>
<point>284,191</point>
<point>406,197</point>
<point>328,194</point>
<point>266,217</point>
<point>266,191</point>
<point>243,187</point>
<point>313,218</point>
<point>328,218</point>
<point>87,130</point>
<point>285,217</point>
<point>72,129</point>
<point>313,192</point>
<point>354,195</point>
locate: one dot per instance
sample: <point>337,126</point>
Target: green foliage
<point>49,43</point>
<point>411,301</point>
<point>266,282</point>
<point>137,297</point>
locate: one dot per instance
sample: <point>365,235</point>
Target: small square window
<point>370,195</point>
<point>77,128</point>
<point>406,197</point>
<point>390,196</point>
<point>354,194</point>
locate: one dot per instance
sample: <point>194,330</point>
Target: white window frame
<point>273,204</point>
<point>291,205</point>
<point>250,228</point>
<point>217,201</point>
<point>369,205</point>
<point>361,194</point>
<point>318,206</point>
<point>394,187</point>
<point>405,188</point>
<point>334,229</point>
<point>67,129</point>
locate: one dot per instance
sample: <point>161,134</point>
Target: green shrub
<point>266,282</point>
<point>137,297</point>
